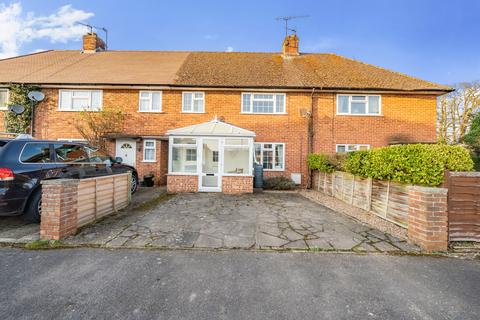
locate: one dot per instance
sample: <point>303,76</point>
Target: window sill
<point>193,112</point>
<point>358,115</point>
<point>142,111</point>
<point>148,161</point>
<point>67,110</point>
<point>265,113</point>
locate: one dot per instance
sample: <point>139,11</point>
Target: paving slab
<point>283,221</point>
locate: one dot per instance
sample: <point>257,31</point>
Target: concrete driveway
<point>258,221</point>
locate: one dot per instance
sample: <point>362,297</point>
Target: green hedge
<point>420,164</point>
<point>320,162</point>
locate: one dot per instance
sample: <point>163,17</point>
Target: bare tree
<point>95,126</point>
<point>455,112</point>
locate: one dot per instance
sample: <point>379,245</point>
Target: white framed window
<point>150,101</point>
<point>79,100</point>
<point>352,147</point>
<point>193,102</point>
<point>183,155</point>
<point>270,155</point>
<point>237,156</point>
<point>4,96</point>
<point>264,103</point>
<point>359,105</point>
<point>149,150</point>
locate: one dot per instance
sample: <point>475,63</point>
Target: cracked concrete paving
<point>255,221</point>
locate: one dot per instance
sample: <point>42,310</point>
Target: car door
<point>34,160</point>
<point>72,161</point>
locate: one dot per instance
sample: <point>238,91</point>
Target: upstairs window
<point>150,101</point>
<point>269,103</point>
<point>358,105</point>
<point>3,99</point>
<point>352,147</point>
<point>79,100</point>
<point>193,102</point>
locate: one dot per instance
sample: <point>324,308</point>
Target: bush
<point>414,163</point>
<point>476,162</point>
<point>326,163</point>
<point>278,183</point>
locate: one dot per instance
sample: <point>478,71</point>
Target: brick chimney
<point>92,43</point>
<point>290,45</point>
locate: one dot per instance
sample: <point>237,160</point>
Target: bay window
<point>270,155</point>
<point>358,105</point>
<point>79,100</point>
<point>270,103</point>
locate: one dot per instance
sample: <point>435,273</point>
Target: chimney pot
<point>92,43</point>
<point>290,45</point>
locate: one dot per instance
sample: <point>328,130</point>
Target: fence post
<point>369,194</point>
<point>318,181</point>
<point>353,189</point>
<point>388,197</point>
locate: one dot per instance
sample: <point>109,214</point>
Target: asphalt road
<point>135,284</point>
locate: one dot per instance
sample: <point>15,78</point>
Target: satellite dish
<point>36,96</point>
<point>17,109</point>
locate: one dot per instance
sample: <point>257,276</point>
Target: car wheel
<point>134,183</point>
<point>33,211</point>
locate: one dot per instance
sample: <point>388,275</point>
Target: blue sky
<point>434,40</point>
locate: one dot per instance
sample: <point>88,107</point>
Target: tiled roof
<point>206,69</point>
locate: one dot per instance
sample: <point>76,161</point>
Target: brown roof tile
<point>204,69</point>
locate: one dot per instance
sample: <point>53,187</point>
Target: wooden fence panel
<point>463,205</point>
<point>101,196</point>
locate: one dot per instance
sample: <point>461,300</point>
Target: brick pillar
<point>428,218</point>
<point>59,209</point>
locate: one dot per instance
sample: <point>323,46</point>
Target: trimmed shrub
<point>278,183</point>
<point>326,163</point>
<point>420,164</point>
<point>476,162</point>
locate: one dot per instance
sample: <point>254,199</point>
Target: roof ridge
<point>389,70</point>
<point>26,55</point>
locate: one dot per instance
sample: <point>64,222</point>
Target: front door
<point>210,178</point>
<point>126,149</point>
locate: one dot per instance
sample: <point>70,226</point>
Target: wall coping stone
<point>429,189</point>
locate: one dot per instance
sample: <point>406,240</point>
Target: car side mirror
<point>118,160</point>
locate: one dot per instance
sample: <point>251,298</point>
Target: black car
<point>24,163</point>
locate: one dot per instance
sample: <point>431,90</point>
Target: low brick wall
<point>421,210</point>
<point>182,183</point>
<point>68,204</point>
<point>428,218</point>
<point>237,184</point>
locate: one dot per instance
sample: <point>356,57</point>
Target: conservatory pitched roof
<point>212,128</point>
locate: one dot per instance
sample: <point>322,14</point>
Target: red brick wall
<point>412,116</point>
<point>428,218</point>
<point>182,183</point>
<point>409,118</point>
<point>237,185</point>
<point>59,209</point>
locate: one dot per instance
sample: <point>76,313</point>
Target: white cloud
<point>18,29</point>
<point>210,36</point>
<point>229,49</point>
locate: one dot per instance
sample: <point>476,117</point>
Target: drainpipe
<point>310,136</point>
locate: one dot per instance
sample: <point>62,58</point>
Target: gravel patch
<point>357,213</point>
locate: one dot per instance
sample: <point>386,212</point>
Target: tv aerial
<point>288,18</point>
<point>90,27</point>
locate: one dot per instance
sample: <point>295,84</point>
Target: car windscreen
<point>97,155</point>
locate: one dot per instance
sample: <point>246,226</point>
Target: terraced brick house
<point>199,120</point>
